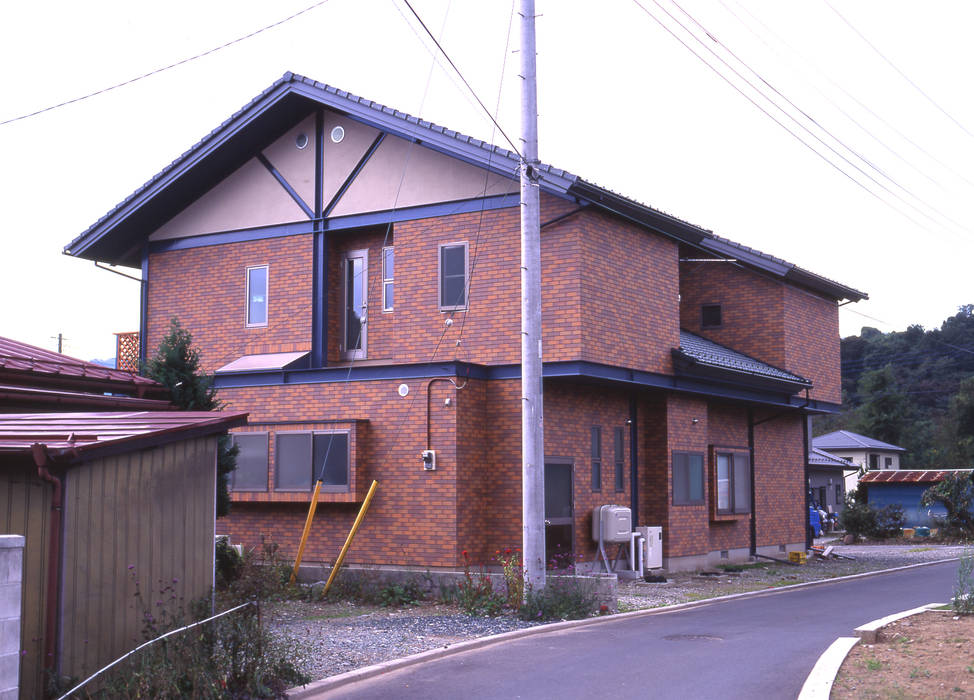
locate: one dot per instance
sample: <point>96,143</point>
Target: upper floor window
<point>257,296</point>
<point>388,261</point>
<point>874,461</point>
<point>453,276</point>
<point>710,316</point>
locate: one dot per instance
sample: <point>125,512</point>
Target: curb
<point>820,680</point>
<point>319,687</point>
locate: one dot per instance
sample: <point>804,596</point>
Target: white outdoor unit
<point>653,543</point>
<point>616,523</point>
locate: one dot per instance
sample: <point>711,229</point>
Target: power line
<point>454,66</point>
<point>895,68</point>
<point>165,68</point>
<point>796,121</point>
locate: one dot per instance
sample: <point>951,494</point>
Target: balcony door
<point>355,266</point>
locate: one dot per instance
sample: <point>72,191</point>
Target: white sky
<point>622,104</point>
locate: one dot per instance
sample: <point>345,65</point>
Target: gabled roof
<point>821,458</point>
<point>848,440</point>
<point>76,436</point>
<point>695,351</point>
<point>118,236</point>
<point>908,476</point>
<point>28,365</point>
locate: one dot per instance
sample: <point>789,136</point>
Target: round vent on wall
<point>337,134</point>
<point>301,141</point>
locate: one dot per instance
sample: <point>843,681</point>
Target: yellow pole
<point>307,531</point>
<point>351,535</point>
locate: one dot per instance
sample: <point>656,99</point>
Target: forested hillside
<point>914,389</point>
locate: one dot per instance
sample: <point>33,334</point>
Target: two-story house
<point>351,275</point>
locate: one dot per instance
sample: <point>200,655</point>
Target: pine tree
<point>176,366</point>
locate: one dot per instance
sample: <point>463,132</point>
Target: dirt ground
<point>930,655</point>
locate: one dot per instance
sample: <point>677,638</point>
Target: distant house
<point>905,486</point>
<point>864,452</point>
<point>101,498</point>
<point>826,479</point>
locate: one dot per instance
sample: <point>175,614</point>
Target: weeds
<point>963,600</point>
<point>562,598</point>
<point>475,593</point>
<point>874,664</point>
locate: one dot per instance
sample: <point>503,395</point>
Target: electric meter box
<point>616,523</point>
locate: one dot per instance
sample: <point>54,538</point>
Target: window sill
<point>296,496</point>
<point>728,517</point>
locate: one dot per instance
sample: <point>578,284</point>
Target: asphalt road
<point>754,647</point>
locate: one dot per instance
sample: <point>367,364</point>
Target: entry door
<point>559,512</point>
<point>354,332</point>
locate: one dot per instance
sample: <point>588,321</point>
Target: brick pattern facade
<point>785,326</point>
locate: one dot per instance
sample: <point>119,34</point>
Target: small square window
<point>710,316</point>
<point>251,471</point>
<point>453,276</point>
<point>257,296</point>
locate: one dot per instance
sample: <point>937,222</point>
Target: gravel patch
<point>334,638</point>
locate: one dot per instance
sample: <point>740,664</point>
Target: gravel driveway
<point>337,637</point>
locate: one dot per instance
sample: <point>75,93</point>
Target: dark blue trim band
<point>426,211</point>
<point>354,174</point>
<point>144,307</point>
<point>286,185</point>
<point>326,375</point>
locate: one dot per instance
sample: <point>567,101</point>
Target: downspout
<point>43,461</point>
<point>754,506</point>
<point>808,504</point>
<point>633,462</point>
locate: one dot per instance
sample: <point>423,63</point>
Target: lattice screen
<point>127,351</point>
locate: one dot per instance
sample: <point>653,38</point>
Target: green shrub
<point>562,598</point>
<point>398,594</point>
<point>228,564</point>
<point>963,601</point>
<point>857,519</point>
<point>263,575</point>
<point>475,594</point>
<point>888,521</point>
<point>956,494</point>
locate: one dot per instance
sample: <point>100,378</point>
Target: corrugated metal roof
<point>17,357</point>
<point>268,361</point>
<point>485,154</point>
<point>706,352</point>
<point>821,458</point>
<point>75,434</point>
<point>848,440</point>
<point>33,397</point>
<point>908,476</point>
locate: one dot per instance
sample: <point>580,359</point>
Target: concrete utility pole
<point>532,415</point>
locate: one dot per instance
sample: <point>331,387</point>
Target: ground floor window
<point>732,482</point>
<point>251,471</point>
<point>687,478</point>
<point>304,457</point>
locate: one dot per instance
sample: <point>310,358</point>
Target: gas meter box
<point>616,523</point>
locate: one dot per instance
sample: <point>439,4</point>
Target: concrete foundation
<point>11,590</point>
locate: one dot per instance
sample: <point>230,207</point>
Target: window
<point>620,448</point>
<point>257,296</point>
<point>822,496</point>
<point>687,478</point>
<point>889,462</point>
<point>251,471</point>
<point>303,458</point>
<point>710,316</point>
<point>453,276</point>
<point>388,269</point>
<point>732,483</point>
<point>596,458</point>
<point>874,461</point>
<point>838,494</point>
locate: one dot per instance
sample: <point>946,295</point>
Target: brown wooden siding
<point>25,508</point>
<point>145,516</point>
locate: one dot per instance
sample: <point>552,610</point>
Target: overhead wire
<point>184,61</point>
<point>789,116</point>
<point>898,70</point>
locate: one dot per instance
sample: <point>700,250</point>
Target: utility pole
<point>532,421</point>
<point>60,340</point>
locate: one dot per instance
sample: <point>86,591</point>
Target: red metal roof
<point>33,398</point>
<point>29,360</point>
<point>77,434</point>
<point>905,476</point>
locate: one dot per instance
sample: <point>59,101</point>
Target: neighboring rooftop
<point>695,351</point>
<point>115,237</point>
<point>848,440</point>
<point>908,476</point>
<point>821,458</point>
<point>27,365</point>
<point>76,436</point>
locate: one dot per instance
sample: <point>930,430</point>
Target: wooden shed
<point>105,500</point>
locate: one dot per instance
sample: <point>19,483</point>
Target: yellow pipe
<point>307,531</point>
<point>351,535</point>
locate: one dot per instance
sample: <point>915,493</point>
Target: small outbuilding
<point>905,487</point>
<point>105,500</point>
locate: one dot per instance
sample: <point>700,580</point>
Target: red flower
<point>507,551</point>
<point>464,553</point>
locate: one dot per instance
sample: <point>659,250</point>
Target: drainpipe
<point>808,497</point>
<point>633,462</point>
<point>43,461</point>
<point>754,506</point>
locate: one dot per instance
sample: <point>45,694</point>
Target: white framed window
<point>453,276</point>
<point>388,272</point>
<point>355,266</point>
<point>257,296</point>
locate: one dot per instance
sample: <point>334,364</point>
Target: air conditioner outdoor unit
<point>653,543</point>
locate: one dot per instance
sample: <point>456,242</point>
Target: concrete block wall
<point>11,588</point>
